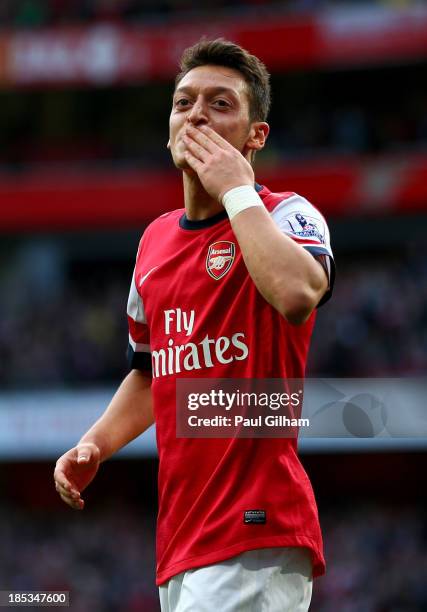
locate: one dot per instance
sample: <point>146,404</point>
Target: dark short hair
<point>220,52</point>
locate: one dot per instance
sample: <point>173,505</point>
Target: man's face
<point>211,95</point>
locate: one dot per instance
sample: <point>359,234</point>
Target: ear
<point>258,134</point>
<point>168,146</point>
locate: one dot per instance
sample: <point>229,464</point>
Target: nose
<point>198,113</point>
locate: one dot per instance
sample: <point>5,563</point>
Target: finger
<point>62,480</point>
<point>84,454</point>
<point>76,504</point>
<point>62,483</point>
<point>72,494</point>
<point>66,499</point>
<point>214,137</point>
<point>193,162</point>
<point>196,149</point>
<point>201,138</point>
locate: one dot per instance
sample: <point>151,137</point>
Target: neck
<point>198,203</point>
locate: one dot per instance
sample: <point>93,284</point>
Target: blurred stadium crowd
<point>375,325</point>
<point>372,553</point>
<point>40,13</point>
<point>106,560</point>
<point>376,558</point>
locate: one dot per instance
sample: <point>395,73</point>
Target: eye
<point>222,103</point>
<point>182,102</point>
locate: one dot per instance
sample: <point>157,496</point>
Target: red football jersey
<point>194,311</point>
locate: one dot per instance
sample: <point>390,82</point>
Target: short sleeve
<point>139,356</point>
<point>302,222</point>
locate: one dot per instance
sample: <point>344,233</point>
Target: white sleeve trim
<point>299,219</point>
<point>135,306</point>
<point>139,347</point>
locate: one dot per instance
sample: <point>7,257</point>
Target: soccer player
<point>226,287</point>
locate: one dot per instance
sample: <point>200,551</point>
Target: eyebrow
<point>213,90</point>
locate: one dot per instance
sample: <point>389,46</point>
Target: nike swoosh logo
<point>144,278</point>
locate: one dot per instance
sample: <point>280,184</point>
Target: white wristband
<point>238,199</point>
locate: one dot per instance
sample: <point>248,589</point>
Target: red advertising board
<point>351,186</point>
<point>110,53</point>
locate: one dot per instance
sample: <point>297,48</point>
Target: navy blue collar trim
<point>188,224</point>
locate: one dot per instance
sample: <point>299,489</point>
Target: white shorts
<point>263,580</point>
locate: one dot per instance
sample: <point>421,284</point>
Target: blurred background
<point>85,93</point>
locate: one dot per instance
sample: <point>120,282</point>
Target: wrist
<point>240,198</point>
